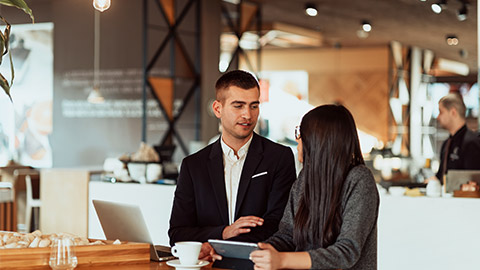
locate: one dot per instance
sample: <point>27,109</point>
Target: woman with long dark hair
<point>330,221</point>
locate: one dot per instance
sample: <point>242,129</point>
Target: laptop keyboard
<point>162,254</point>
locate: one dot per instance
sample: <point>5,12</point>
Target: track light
<point>439,6</point>
<point>462,12</point>
<point>366,26</point>
<point>311,10</point>
<point>452,40</point>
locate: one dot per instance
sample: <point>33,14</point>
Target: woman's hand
<point>206,252</point>
<point>266,258</point>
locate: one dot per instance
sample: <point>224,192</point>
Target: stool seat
<point>6,195</point>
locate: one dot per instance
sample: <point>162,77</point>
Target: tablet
<point>233,249</point>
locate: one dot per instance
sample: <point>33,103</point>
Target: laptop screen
<point>122,221</point>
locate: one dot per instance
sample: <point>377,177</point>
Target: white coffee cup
<point>434,188</point>
<point>154,172</point>
<point>187,252</point>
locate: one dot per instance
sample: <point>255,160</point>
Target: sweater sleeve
<point>284,177</point>
<point>359,219</point>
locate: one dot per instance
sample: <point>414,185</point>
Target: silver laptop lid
<point>455,178</point>
<point>122,221</point>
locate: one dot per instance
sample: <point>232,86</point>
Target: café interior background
<point>55,126</point>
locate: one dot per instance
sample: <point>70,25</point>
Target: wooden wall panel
<point>355,77</point>
<point>363,93</point>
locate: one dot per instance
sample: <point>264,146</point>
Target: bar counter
<point>428,233</point>
<point>413,233</point>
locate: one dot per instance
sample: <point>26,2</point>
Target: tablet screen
<point>233,249</point>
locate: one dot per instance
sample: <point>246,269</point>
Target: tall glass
<point>62,255</point>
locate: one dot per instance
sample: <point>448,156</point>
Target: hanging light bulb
<point>101,5</point>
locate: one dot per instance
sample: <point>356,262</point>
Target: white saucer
<point>178,266</point>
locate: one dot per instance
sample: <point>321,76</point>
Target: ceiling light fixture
<point>366,26</point>
<point>95,97</point>
<point>452,40</point>
<point>439,6</point>
<point>462,12</point>
<point>311,10</point>
<point>101,5</point>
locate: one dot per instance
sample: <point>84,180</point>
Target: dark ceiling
<point>411,22</point>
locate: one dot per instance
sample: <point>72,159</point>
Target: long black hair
<point>330,149</point>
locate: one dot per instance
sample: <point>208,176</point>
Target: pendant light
<point>101,5</point>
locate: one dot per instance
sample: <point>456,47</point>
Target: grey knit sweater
<point>356,245</point>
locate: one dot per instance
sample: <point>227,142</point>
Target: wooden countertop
<point>143,266</point>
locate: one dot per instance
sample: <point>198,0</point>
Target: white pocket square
<point>259,174</point>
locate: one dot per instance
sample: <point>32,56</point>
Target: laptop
<point>455,178</point>
<point>126,223</point>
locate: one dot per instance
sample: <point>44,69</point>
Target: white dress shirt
<point>233,166</point>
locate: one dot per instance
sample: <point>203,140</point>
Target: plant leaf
<point>4,41</point>
<point>5,86</point>
<point>20,4</point>
<point>5,35</point>
<point>2,46</point>
<point>11,68</point>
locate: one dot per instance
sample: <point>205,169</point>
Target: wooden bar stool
<point>29,179</point>
<point>7,213</point>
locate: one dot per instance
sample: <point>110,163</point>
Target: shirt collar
<point>227,151</point>
<point>459,134</point>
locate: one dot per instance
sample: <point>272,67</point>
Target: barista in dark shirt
<point>463,152</point>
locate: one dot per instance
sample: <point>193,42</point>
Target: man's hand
<point>431,178</point>
<point>267,258</point>
<point>241,225</point>
<point>205,252</point>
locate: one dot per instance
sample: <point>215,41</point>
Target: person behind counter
<point>330,221</point>
<point>237,187</point>
<point>461,151</point>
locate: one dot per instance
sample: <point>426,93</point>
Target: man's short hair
<point>238,78</point>
<point>454,100</point>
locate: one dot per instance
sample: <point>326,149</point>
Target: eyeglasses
<point>297,133</point>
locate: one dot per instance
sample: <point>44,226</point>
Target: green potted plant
<point>5,38</point>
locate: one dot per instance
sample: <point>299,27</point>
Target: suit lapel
<point>254,156</point>
<point>217,177</point>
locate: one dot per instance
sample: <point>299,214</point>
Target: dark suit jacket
<point>463,154</point>
<point>200,210</point>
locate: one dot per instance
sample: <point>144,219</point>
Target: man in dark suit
<point>237,187</point>
<point>461,151</point>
